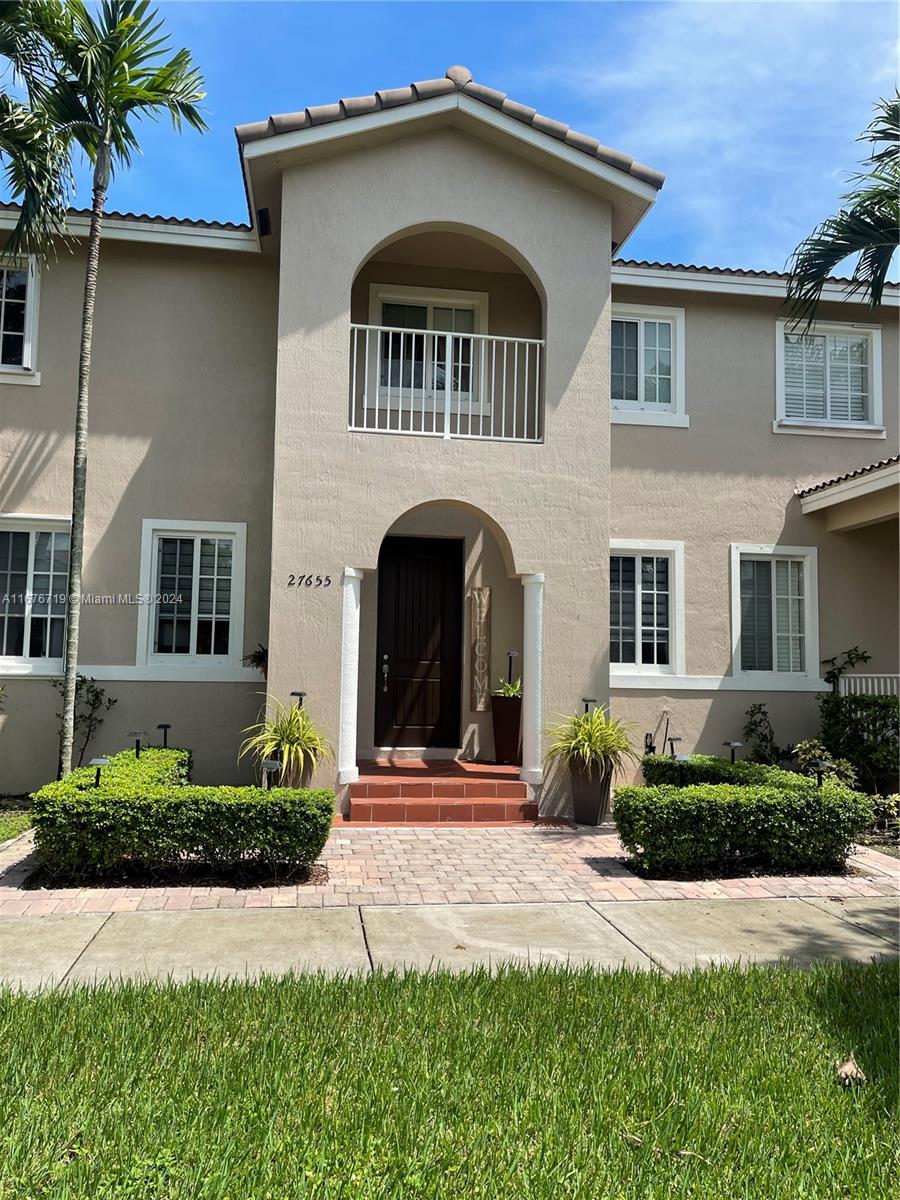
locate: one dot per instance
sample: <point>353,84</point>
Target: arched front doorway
<point>440,620</point>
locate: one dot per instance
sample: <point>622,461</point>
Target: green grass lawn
<point>550,1084</point>
<point>13,821</point>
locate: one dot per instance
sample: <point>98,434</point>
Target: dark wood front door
<point>419,656</point>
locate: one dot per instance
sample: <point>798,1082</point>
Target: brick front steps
<point>479,796</point>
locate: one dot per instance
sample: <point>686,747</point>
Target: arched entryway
<point>430,630</point>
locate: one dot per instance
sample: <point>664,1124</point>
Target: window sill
<point>11,375</point>
<point>716,683</point>
<point>828,429</point>
<point>37,668</point>
<point>626,416</point>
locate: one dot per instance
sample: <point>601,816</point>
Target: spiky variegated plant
<point>90,75</point>
<point>592,741</point>
<point>868,227</point>
<point>291,736</point>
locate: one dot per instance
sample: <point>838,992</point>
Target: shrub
<point>707,768</point>
<point>145,813</point>
<point>725,827</point>
<point>865,730</point>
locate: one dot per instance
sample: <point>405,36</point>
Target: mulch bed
<point>191,874</point>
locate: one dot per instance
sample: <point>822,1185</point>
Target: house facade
<point>423,418</point>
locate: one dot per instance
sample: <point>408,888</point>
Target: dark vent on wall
<point>263,224</point>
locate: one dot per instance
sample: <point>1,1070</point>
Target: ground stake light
<point>587,701</point>
<point>672,741</point>
<point>300,698</point>
<point>510,655</point>
<point>165,732</point>
<point>99,764</point>
<point>733,746</point>
<point>138,735</point>
<point>269,766</point>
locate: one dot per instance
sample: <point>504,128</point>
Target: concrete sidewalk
<point>669,934</point>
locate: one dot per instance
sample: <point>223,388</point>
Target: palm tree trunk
<point>79,470</point>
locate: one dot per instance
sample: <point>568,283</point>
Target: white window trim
<point>675,553</point>
<point>187,666</point>
<point>809,555</point>
<point>24,665</point>
<point>26,374</point>
<point>676,416</point>
<point>873,428</point>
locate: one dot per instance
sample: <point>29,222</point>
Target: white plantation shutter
<point>804,377</point>
<point>848,377</point>
<point>789,631</point>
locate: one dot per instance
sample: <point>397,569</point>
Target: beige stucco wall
<point>483,566</point>
<point>181,425</point>
<point>730,478</point>
<point>337,493</point>
<point>206,717</point>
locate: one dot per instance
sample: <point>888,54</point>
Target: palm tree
<point>90,78</point>
<point>868,227</point>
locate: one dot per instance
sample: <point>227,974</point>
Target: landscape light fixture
<point>672,741</point>
<point>300,698</point>
<point>510,655</point>
<point>269,766</point>
<point>137,734</point>
<point>165,727</point>
<point>681,759</point>
<point>587,701</point>
<point>98,764</point>
<point>821,765</point>
<point>733,746</point>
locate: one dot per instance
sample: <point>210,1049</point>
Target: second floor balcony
<point>445,383</point>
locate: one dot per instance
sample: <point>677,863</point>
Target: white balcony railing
<point>448,385</point>
<point>870,685</point>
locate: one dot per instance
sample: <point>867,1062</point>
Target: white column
<point>533,680</point>
<point>351,580</point>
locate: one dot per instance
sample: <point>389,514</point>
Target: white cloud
<point>750,109</point>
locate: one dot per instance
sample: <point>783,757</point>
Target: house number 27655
<point>310,581</point>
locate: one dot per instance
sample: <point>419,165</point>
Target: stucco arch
<point>475,232</point>
<point>373,540</point>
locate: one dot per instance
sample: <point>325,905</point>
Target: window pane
<point>622,587</point>
<point>804,377</point>
<point>756,615</point>
<point>13,346</point>
<point>405,316</point>
<point>790,651</point>
<point>16,285</point>
<point>624,342</point>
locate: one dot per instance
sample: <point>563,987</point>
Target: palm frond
<point>37,169</point>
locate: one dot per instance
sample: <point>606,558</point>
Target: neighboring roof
<point>868,470</point>
<point>457,79</point>
<point>146,218</point>
<point>736,272</point>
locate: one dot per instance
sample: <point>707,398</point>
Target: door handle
<point>384,674</point>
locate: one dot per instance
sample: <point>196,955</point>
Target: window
<point>194,574</point>
<point>34,569</point>
<point>18,297</point>
<point>645,590</point>
<point>647,365</point>
<point>429,352</point>
<point>774,609</point>
<point>828,376</point>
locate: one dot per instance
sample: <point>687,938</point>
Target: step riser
<point>448,812</point>
<point>480,790</point>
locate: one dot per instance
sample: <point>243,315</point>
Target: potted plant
<point>291,737</point>
<point>506,719</point>
<point>593,745</point>
<point>258,658</point>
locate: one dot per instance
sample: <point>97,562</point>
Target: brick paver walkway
<point>445,865</point>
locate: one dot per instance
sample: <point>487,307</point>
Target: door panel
<point>419,648</point>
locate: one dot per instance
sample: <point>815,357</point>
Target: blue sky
<point>751,110</point>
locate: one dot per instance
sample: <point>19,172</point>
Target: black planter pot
<point>506,718</point>
<point>590,794</point>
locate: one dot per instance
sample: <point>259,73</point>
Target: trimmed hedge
<point>866,731</point>
<point>146,814</point>
<point>707,768</point>
<point>725,827</point>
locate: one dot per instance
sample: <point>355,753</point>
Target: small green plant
<point>91,706</point>
<point>258,658</point>
<point>760,735</point>
<point>592,740</point>
<point>813,750</point>
<point>511,687</point>
<point>291,737</point>
<point>842,663</point>
<point>865,730</point>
